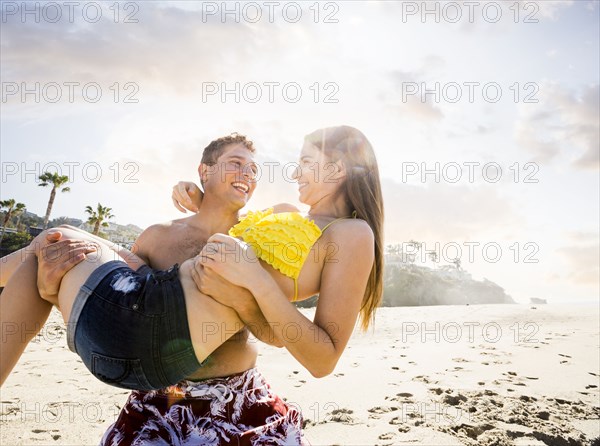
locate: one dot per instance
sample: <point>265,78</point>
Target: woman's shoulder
<point>350,231</point>
<point>284,207</point>
<point>275,209</point>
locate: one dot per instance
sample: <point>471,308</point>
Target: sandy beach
<point>444,375</point>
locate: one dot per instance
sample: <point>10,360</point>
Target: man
<point>219,410</point>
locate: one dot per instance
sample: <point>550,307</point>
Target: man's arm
<point>142,247</point>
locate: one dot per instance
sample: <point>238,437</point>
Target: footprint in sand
<point>337,375</point>
<point>460,360</point>
<point>387,436</point>
<point>382,409</point>
<point>307,422</point>
<point>424,379</point>
<point>402,420</point>
<point>591,386</point>
<point>454,400</point>
<point>564,356</point>
<point>341,416</point>
<point>402,397</point>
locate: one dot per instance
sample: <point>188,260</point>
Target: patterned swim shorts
<point>236,410</point>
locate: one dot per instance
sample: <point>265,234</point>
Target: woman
<point>338,178</point>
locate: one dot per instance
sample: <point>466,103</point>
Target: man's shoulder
<point>164,228</point>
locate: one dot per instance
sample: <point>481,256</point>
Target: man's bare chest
<point>177,249</point>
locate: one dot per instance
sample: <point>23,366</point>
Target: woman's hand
<point>186,195</point>
<point>232,259</point>
<point>236,297</point>
<point>212,284</point>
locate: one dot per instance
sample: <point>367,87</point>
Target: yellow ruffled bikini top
<point>283,240</point>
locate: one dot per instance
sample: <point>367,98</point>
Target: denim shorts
<point>130,328</point>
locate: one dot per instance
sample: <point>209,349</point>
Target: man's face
<point>233,177</point>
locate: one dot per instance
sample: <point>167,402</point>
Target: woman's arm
<point>238,298</point>
<point>187,195</point>
<point>317,344</point>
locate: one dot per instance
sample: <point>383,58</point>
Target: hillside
<point>406,284</point>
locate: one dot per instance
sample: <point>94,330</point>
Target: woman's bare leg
<point>211,323</point>
<point>10,263</point>
<point>23,313</point>
<point>76,277</point>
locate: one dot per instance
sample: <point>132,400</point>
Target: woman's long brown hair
<point>362,191</point>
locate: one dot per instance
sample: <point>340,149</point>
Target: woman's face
<point>317,175</point>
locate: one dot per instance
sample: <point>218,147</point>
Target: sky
<point>484,116</point>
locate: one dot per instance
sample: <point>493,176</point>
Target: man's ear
<point>203,173</point>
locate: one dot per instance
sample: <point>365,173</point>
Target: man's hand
<point>186,195</point>
<point>55,259</point>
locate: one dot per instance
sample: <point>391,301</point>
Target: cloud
<point>442,212</point>
<point>548,9</point>
<point>561,123</point>
<point>582,256</point>
<point>584,264</point>
<point>408,87</point>
<point>172,48</point>
<point>583,237</point>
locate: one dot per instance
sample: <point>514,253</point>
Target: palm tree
<point>57,182</point>
<point>456,262</point>
<point>18,212</point>
<point>98,216</point>
<point>417,247</point>
<point>12,208</point>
